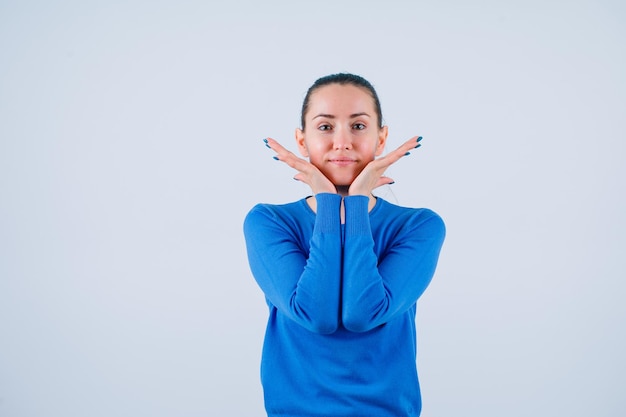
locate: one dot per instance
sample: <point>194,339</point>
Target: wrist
<point>365,193</point>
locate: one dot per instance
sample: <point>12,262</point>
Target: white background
<point>130,152</point>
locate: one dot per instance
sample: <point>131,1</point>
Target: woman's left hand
<point>373,176</point>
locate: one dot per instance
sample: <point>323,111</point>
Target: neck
<point>342,190</point>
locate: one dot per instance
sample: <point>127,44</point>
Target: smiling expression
<point>342,133</point>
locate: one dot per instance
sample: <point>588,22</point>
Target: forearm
<point>364,297</point>
<point>317,293</point>
<point>301,282</point>
<point>378,287</point>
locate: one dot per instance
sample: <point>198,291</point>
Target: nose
<point>342,139</point>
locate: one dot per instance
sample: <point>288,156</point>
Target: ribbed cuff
<point>327,219</point>
<point>357,215</point>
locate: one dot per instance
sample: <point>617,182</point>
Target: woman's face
<point>341,135</point>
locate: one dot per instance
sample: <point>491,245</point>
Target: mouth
<point>342,161</point>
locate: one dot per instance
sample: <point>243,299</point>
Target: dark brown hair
<point>342,79</point>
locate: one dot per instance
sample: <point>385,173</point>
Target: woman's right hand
<point>307,172</point>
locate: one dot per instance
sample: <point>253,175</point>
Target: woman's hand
<point>307,172</point>
<point>372,175</point>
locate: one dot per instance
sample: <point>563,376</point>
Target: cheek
<point>371,148</point>
<point>316,149</point>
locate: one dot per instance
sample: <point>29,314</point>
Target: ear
<point>382,140</point>
<point>301,143</point>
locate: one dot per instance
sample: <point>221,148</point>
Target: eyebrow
<point>352,116</point>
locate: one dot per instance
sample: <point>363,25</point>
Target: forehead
<point>336,99</point>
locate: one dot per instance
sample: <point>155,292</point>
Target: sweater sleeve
<point>303,285</point>
<point>377,290</point>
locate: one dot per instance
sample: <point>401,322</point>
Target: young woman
<point>341,269</point>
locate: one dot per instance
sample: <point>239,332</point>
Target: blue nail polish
<point>265,140</point>
<point>418,145</point>
<point>268,146</point>
<point>392,182</point>
<point>419,138</point>
<point>275,157</point>
<point>408,153</point>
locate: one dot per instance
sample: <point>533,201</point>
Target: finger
<point>282,153</point>
<point>401,151</point>
<point>307,172</point>
<point>383,181</point>
<point>408,146</point>
<point>274,145</point>
<point>288,157</point>
<point>294,161</point>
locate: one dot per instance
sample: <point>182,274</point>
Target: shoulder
<point>276,214</point>
<point>275,210</point>
<point>409,218</point>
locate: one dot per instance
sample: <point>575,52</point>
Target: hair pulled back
<point>342,79</point>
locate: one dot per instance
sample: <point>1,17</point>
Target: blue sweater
<point>340,339</point>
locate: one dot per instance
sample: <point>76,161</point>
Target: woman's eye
<point>324,127</point>
<point>358,126</point>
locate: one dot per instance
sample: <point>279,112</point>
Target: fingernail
<point>392,182</point>
<point>418,145</point>
<point>275,157</point>
<point>265,140</point>
<point>268,146</point>
<point>408,153</point>
<point>419,138</point>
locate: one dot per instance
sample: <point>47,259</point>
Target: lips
<point>343,161</point>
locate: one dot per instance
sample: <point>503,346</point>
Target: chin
<point>342,183</point>
<point>344,180</point>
